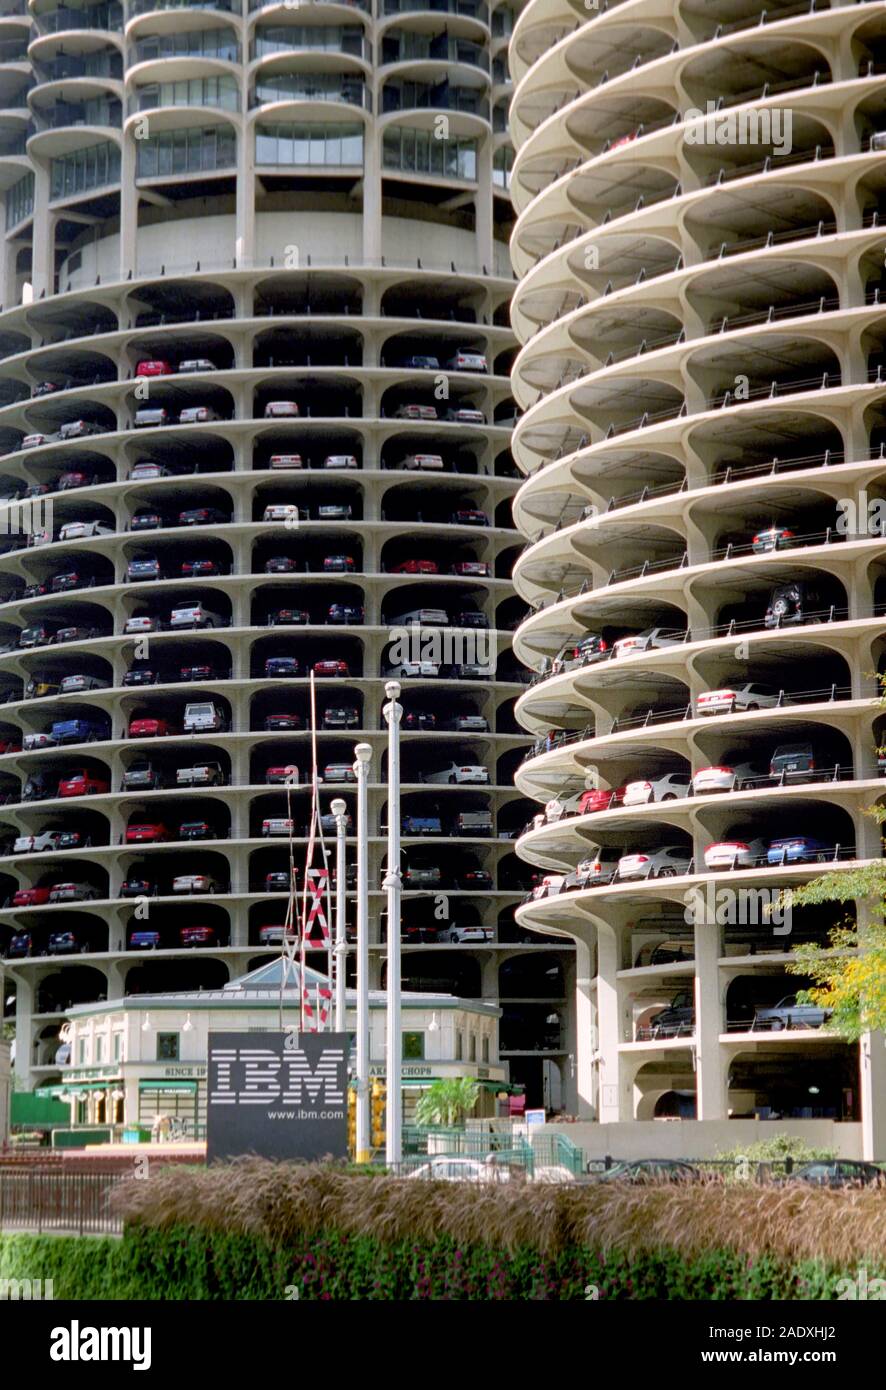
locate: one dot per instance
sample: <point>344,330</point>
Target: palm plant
<point>447,1101</point>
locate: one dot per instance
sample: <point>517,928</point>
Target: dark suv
<point>677,1020</point>
<point>794,603</point>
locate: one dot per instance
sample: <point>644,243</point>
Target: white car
<point>280,461</point>
<point>667,787</point>
<point>458,773</point>
<point>281,410</point>
<point>30,741</point>
<point>78,530</point>
<point>735,854</point>
<point>724,778</point>
<point>281,511</point>
<point>27,844</point>
<point>667,862</point>
<point>450,1169</point>
<point>73,893</point>
<point>196,414</point>
<point>427,463</point>
<point>33,441</point>
<point>148,470</point>
<point>466,360</point>
<point>194,883</point>
<point>650,639</point>
<point>277,825</point>
<point>467,934</point>
<point>550,886</point>
<point>197,364</point>
<point>340,461</point>
<point>736,698</point>
<point>414,668</point>
<point>560,806</point>
<point>143,624</point>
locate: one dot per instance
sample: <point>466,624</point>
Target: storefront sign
<point>280,1095</point>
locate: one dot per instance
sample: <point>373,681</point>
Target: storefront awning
<point>74,1087</point>
<point>149,1085</point>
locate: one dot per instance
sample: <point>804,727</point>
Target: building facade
<point>255,386</point>
<point>137,1059</point>
<point>700,196</point>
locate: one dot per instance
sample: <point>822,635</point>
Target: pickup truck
<point>202,775</point>
<point>422,825</point>
<point>474,823</point>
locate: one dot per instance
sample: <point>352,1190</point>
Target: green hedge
<point>186,1263</point>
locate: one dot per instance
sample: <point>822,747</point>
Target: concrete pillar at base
<point>872,1065</point>
<point>613,1104</point>
<point>585,1047</point>
<point>710,1080</point>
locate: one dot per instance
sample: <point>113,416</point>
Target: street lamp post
<point>339,810</point>
<point>363,753</point>
<point>393,1080</point>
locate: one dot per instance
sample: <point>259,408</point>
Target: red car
<point>31,897</point>
<point>192,568</point>
<point>276,722</point>
<point>10,745</point>
<point>149,728</point>
<point>146,832</point>
<point>153,366</point>
<point>83,783</point>
<point>416,567</point>
<point>331,668</point>
<point>338,564</point>
<point>197,936</point>
<point>600,800</point>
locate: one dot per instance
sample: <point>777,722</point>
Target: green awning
<point>72,1088</point>
<point>167,1085</point>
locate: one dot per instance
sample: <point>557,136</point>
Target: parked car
<point>421,825</point>
<point>79,682</point>
<point>726,778</point>
<point>421,362</point>
<point>277,825</point>
<point>329,667</point>
<point>281,511</point>
<point>21,944</point>
<point>197,936</point>
<point>795,762</point>
<point>793,604</point>
<point>413,669</point>
<point>340,461</point>
<point>145,521</point>
<point>676,1020</point>
<point>149,727</point>
<point>142,775</point>
<point>598,869</point>
<point>281,564</point>
<point>67,943</point>
<point>73,893</point>
<point>275,935</point>
<point>31,897</point>
<point>80,730</point>
<point>197,830</point>
<point>466,415</point>
<point>468,516</point>
<point>204,716</point>
<point>415,412</point>
<point>289,617</point>
<point>141,675</point>
<point>146,832</point>
<point>467,360</point>
<point>789,1013</point>
<point>339,772</point>
<point>79,429</point>
<point>667,786</point>
<point>665,862</point>
<point>282,774</point>
<point>80,530</point>
<point>143,939</point>
<point>198,414</point>
<point>737,698</point>
<point>735,853</point>
<point>82,782</point>
<point>468,723</point>
<point>349,613</point>
<point>415,566</point>
<point>650,639</point>
<point>467,935</point>
<point>202,516</point>
<point>340,717</point>
<point>460,773</point>
<point>837,1172</point>
<point>280,410</point>
<point>197,364</point>
<point>200,775</point>
<point>137,570</point>
<point>476,569</point>
<point>280,666</point>
<point>798,849</point>
<point>147,417</point>
<point>202,568</point>
<point>194,615</point>
<point>419,719</point>
<point>283,461</point>
<point>475,880</point>
<point>422,463</point>
<point>283,722</point>
<point>338,564</point>
<point>651,1170</point>
<point>774,538</point>
<point>154,366</point>
<point>137,887</point>
<point>142,622</point>
<point>194,883</point>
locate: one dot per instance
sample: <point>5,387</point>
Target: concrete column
<point>612,1105</point>
<point>483,206</point>
<point>128,208</point>
<point>585,1041</point>
<point>43,252</point>
<point>710,1078</point>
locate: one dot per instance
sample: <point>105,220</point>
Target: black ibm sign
<point>280,1095</point>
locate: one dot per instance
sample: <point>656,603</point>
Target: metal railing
<point>49,1200</point>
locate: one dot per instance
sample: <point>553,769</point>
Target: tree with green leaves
<point>848,974</point>
<point>447,1101</point>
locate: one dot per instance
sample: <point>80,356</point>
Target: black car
<point>417,719</point>
<point>146,521</point>
<point>66,943</point>
<point>138,888</point>
<point>651,1170</point>
<point>205,672</point>
<point>277,883</point>
<point>141,676</point>
<point>794,603</point>
<point>341,717</point>
<point>838,1172</point>
<point>197,830</point>
<point>344,613</point>
<point>676,1021</point>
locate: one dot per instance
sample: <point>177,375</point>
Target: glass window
<point>413,1046</point>
<point>167,1047</point>
<point>459,1046</point>
<point>82,1053</point>
<point>118,1047</point>
<point>472,1056</point>
<point>485,1048</point>
<point>100,1048</point>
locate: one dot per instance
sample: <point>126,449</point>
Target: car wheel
<point>452,781</point>
<point>666,873</point>
<point>748,708</point>
<point>669,796</point>
<point>777,1025</point>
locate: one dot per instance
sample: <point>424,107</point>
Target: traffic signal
<point>377,1114</point>
<point>352,1119</point>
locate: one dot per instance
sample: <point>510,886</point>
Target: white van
<point>202,715</point>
